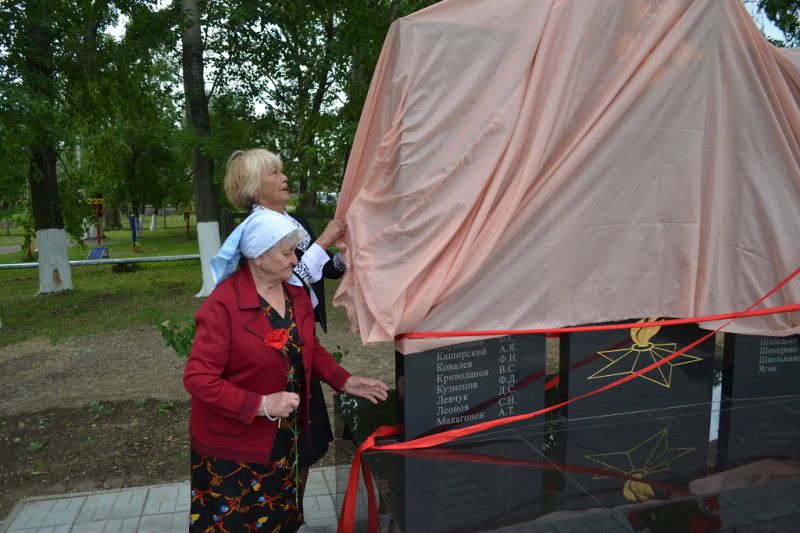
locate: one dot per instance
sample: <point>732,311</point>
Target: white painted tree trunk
<point>153,219</point>
<point>54,270</point>
<point>208,241</point>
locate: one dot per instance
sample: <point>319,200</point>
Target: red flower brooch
<point>277,338</point>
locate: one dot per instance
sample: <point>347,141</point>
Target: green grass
<point>103,301</point>
<point>11,236</point>
<point>170,241</point>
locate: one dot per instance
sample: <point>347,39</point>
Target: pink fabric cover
<point>544,163</point>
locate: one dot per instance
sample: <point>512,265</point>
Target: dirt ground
<point>109,411</point>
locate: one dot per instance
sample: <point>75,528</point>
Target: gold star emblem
<point>641,354</point>
<point>649,456</point>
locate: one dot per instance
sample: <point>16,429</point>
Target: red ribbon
<point>554,332</point>
<point>347,516</point>
<point>483,458</point>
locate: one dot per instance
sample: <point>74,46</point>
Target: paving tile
<point>96,507</point>
<point>315,475</point>
<point>310,504</point>
<point>323,514</point>
<point>184,502</point>
<point>64,528</point>
<point>117,525</point>
<point>325,503</point>
<point>98,526</point>
<point>161,499</point>
<point>130,525</point>
<point>316,485</point>
<point>321,520</point>
<point>32,515</point>
<point>64,511</point>
<point>157,523</point>
<point>129,503</point>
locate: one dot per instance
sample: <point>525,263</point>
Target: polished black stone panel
<point>651,470</point>
<point>463,487</point>
<point>758,366</point>
<point>635,459</point>
<point>590,360</point>
<point>756,429</point>
<point>465,384</point>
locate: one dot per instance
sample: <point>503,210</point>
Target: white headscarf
<point>255,235</point>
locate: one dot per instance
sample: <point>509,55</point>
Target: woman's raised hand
<point>332,231</point>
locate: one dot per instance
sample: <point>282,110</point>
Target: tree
<point>134,156</point>
<point>206,194</point>
<point>785,14</point>
<point>309,66</point>
<point>37,73</point>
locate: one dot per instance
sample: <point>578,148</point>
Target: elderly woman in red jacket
<point>252,358</point>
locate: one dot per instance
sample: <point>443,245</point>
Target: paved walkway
<point>162,508</point>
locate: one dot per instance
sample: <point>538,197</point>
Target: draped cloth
<point>546,163</point>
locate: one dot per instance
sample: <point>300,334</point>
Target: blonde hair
<point>243,174</point>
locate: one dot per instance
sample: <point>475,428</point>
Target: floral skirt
<point>228,496</point>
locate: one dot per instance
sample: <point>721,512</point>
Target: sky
<point>766,26</point>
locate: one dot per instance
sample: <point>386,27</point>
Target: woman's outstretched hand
<point>372,389</point>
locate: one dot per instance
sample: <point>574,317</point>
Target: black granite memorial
<point>471,485</point>
<point>465,384</point>
<point>644,470</point>
<point>757,366</point>
<point>752,430</point>
<point>761,374</point>
<point>475,487</point>
<point>590,360</point>
<point>630,458</point>
<point>638,455</point>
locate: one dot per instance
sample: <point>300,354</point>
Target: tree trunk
<point>205,194</point>
<point>54,270</point>
<point>111,218</point>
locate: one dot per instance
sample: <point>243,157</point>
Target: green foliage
<point>166,408</point>
<point>35,446</point>
<point>339,353</point>
<point>290,76</point>
<point>178,336</point>
<point>785,14</point>
<point>25,221</point>
<point>308,66</point>
<point>95,407</point>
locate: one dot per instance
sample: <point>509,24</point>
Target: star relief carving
<point>652,455</point>
<point>641,354</point>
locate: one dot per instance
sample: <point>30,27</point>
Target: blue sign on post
<point>132,219</point>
